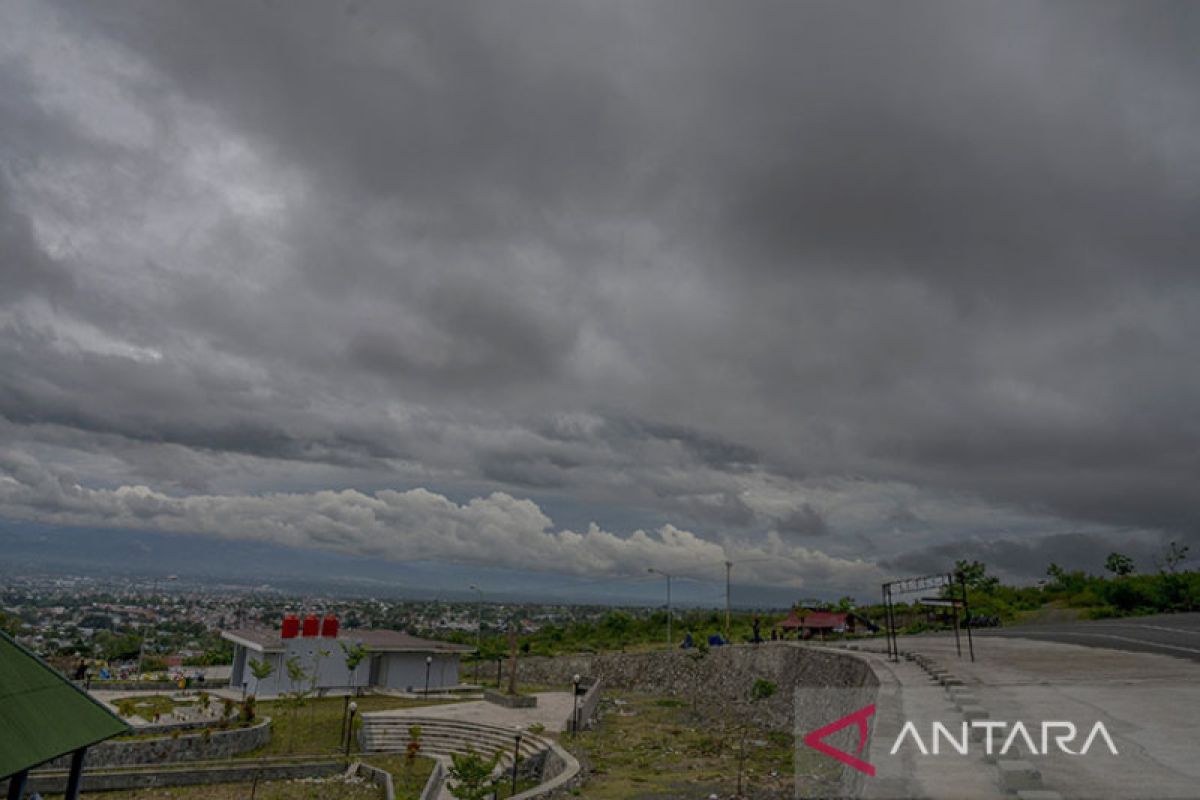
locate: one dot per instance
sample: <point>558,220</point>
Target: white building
<point>394,659</point>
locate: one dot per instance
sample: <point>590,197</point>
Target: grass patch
<point>145,706</point>
<point>647,748</point>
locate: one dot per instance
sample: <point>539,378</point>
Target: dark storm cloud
<point>25,269</point>
<point>761,269</point>
<point>803,522</point>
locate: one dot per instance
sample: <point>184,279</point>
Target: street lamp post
<point>478,632</point>
<point>350,728</point>
<point>428,664</point>
<point>668,577</point>
<point>575,708</point>
<point>516,758</point>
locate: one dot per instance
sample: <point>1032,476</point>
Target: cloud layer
<point>838,285</point>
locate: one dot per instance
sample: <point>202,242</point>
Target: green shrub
<point>1086,599</point>
<point>1127,594</point>
<point>1102,612</point>
<point>762,689</point>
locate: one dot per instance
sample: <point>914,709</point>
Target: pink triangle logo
<point>816,741</point>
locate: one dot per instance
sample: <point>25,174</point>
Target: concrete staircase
<point>388,733</point>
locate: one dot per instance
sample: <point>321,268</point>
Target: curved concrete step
<point>402,724</point>
<point>432,734</point>
<point>440,736</point>
<point>451,745</point>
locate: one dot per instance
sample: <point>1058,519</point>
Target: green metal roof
<point>42,714</point>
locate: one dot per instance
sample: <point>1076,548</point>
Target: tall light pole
<point>728,569</point>
<point>728,589</point>
<point>668,577</point>
<point>478,632</point>
<point>428,664</point>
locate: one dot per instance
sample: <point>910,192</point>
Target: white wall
<point>324,656</point>
<point>407,670</point>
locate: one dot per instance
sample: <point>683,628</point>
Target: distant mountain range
<point>27,547</point>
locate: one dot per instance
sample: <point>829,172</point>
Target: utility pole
<point>478,632</point>
<point>668,577</point>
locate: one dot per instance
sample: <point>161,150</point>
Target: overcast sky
<point>845,290</point>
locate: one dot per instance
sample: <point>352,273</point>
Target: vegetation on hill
<point>1122,592</point>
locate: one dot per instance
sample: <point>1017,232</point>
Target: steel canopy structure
<point>941,581</point>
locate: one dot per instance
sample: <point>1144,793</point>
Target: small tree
<point>761,690</point>
<point>1119,564</point>
<point>974,575</point>
<point>261,670</point>
<point>472,775</point>
<point>411,751</point>
<point>1174,555</point>
<point>353,657</point>
<point>297,674</point>
<point>246,715</point>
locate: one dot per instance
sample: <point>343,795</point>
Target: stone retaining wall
<point>152,686</point>
<point>723,675</point>
<point>161,749</point>
<point>206,774</point>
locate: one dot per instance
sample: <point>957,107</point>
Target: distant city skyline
<point>551,295</point>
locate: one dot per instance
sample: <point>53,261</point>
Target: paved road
<point>1165,634</point>
<point>1147,702</point>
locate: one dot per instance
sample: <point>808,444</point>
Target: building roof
<point>377,640</point>
<point>42,714</point>
<point>824,619</point>
<point>792,621</point>
<point>815,619</point>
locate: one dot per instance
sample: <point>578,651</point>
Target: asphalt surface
<point>1165,634</point>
